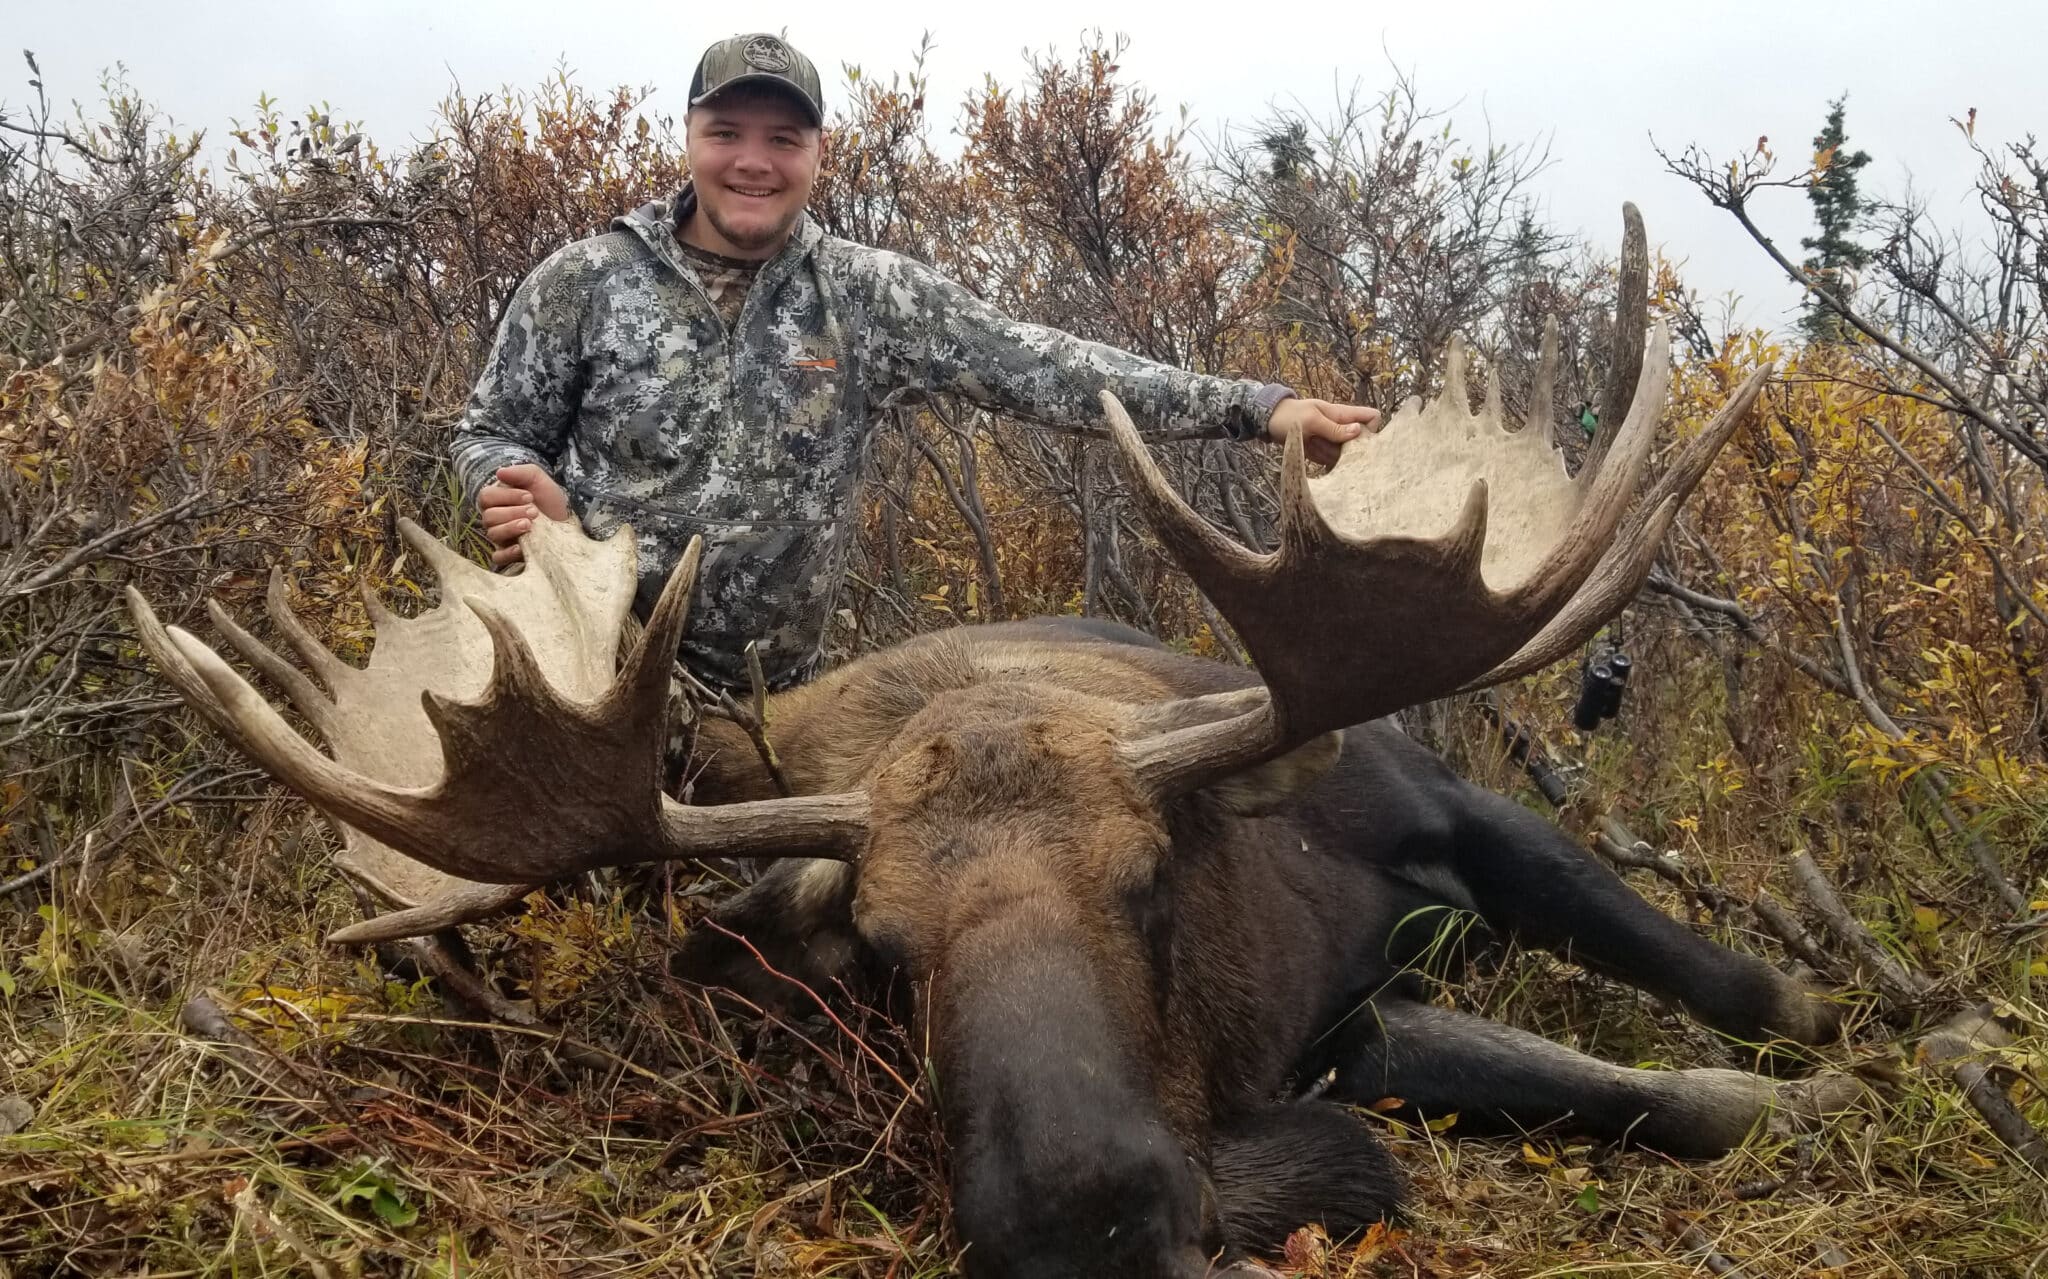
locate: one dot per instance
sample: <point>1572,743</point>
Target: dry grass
<point>381,1129</point>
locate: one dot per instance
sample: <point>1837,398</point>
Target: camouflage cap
<point>758,59</point>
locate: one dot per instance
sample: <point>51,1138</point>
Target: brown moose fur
<point>1125,999</point>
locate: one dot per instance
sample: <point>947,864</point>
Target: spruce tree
<point>1288,149</point>
<point>1837,207</point>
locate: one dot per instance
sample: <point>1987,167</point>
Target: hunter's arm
<point>524,402</point>
<point>930,332</point>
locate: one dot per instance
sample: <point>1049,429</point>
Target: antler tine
<point>828,826</point>
<point>157,641</point>
<point>1455,390</point>
<point>1690,467</point>
<point>1608,490</point>
<point>1194,543</point>
<point>647,668</point>
<point>831,827</point>
<point>465,904</point>
<point>1631,322</point>
<point>379,612</point>
<point>451,570</point>
<point>197,673</point>
<point>332,671</point>
<point>305,695</point>
<point>378,810</point>
<point>1620,574</point>
<point>464,726</point>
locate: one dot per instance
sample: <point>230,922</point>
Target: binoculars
<point>1600,686</point>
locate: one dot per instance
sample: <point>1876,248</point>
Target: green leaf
<point>395,1211</point>
<point>1588,1199</point>
<point>369,1183</point>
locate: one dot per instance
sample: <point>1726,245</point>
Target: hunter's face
<point>754,160</point>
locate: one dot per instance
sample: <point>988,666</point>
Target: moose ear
<point>790,930</point>
<point>1264,787</point>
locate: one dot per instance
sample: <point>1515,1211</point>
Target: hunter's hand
<point>522,494</point>
<point>1324,425</point>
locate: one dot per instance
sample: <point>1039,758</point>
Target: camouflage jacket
<point>613,370</point>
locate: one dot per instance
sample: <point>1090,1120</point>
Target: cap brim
<point>769,80</point>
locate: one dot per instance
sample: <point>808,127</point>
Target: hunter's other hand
<point>1323,424</point>
<point>521,495</point>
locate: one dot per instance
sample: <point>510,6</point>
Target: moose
<point>1157,914</point>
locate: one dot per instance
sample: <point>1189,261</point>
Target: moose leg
<point>1530,881</point>
<point>1276,1167</point>
<point>1499,1079</point>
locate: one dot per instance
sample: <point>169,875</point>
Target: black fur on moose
<point>1143,900</point>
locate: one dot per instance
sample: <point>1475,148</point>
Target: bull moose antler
<point>1447,552</point>
<point>503,698</point>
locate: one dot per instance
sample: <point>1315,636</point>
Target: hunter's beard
<point>752,241</point>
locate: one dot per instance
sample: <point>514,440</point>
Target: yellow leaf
<point>1531,1155</point>
<point>1442,1123</point>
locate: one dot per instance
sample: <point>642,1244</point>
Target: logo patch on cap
<point>766,53</point>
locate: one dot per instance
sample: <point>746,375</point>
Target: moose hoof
<point>1805,1014</point>
<point>1971,1030</point>
<point>1805,1104</point>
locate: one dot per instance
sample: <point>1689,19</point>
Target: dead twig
<point>536,1031</point>
<point>251,1208</point>
<point>752,720</point>
<point>1901,988</point>
<point>1613,841</point>
<point>192,786</point>
<point>1781,923</point>
<point>1952,1048</point>
<point>202,1017</point>
<point>328,1144</point>
<point>433,954</point>
<point>1956,1048</point>
<point>1691,1237</point>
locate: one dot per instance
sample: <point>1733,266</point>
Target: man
<point>712,366</point>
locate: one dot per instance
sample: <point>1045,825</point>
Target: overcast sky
<point>1595,81</point>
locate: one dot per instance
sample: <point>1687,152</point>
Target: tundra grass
<point>367,1124</point>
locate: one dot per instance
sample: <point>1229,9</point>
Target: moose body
<point>1177,1015</point>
